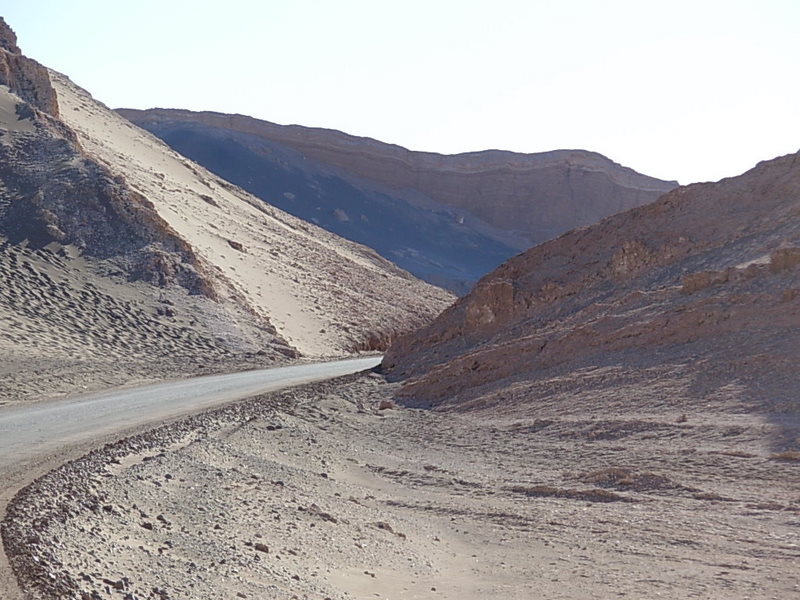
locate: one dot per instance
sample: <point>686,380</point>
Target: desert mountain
<point>115,250</point>
<point>446,219</point>
<point>701,287</point>
<point>623,399</point>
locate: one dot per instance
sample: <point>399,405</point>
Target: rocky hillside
<point>447,219</point>
<point>115,248</point>
<point>705,282</point>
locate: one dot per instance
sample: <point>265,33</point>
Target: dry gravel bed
<point>317,493</point>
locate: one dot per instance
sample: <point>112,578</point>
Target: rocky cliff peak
<point>8,39</point>
<point>25,77</point>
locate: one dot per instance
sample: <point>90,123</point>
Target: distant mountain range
<point>445,219</point>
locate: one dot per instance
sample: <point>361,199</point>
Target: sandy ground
<point>316,493</point>
<point>9,119</point>
<point>64,329</point>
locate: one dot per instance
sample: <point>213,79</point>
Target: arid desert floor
<point>318,493</point>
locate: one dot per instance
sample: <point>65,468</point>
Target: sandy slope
<point>122,262</point>
<point>320,292</point>
<point>66,329</point>
<point>9,119</point>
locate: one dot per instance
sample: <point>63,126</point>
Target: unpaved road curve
<point>38,437</point>
<point>28,432</point>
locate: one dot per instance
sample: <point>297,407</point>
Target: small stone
<point>236,245</point>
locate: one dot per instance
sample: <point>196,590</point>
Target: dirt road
<point>36,438</point>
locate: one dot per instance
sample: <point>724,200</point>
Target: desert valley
<point>583,383</point>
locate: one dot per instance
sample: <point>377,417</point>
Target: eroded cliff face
<point>24,76</point>
<point>707,273</point>
<point>54,193</point>
<point>483,206</point>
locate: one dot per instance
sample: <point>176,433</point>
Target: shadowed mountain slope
<point>705,282</point>
<point>446,219</point>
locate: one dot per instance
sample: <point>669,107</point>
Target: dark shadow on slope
<point>434,244</point>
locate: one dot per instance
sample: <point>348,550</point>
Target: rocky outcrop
<point>482,207</point>
<point>706,272</point>
<point>8,39</point>
<point>54,193</point>
<point>784,259</point>
<point>24,76</point>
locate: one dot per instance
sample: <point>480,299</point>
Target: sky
<point>687,90</point>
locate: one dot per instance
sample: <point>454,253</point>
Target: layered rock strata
<point>706,278</point>
<point>447,219</point>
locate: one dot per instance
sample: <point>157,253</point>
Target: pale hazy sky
<point>689,90</point>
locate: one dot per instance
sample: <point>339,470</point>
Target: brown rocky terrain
<point>115,250</point>
<point>484,206</point>
<point>705,279</point>
<point>659,347</point>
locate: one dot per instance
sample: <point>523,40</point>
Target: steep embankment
<point>117,251</point>
<point>97,289</point>
<point>447,219</point>
<point>706,280</point>
<point>324,295</point>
